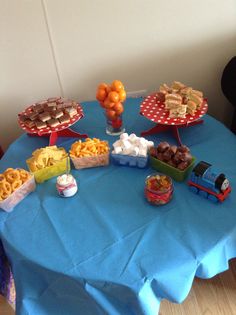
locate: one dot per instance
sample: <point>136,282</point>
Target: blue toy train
<point>209,183</point>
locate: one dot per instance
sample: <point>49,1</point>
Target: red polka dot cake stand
<point>153,108</point>
<point>62,129</point>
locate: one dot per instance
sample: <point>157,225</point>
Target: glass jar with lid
<point>158,189</point>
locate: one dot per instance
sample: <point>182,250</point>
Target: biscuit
<point>64,119</point>
<point>44,116</point>
<point>40,124</point>
<point>53,122</point>
<point>57,113</point>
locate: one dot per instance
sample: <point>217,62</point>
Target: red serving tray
<point>153,108</point>
<point>61,130</point>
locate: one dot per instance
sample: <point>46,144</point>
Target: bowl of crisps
<point>48,162</point>
<point>15,185</point>
<point>89,153</point>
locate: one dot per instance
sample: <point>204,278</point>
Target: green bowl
<point>173,172</point>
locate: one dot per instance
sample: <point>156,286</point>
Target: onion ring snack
<point>16,184</point>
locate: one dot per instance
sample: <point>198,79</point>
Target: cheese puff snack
<point>90,147</point>
<point>11,180</point>
<point>44,157</point>
<point>90,153</point>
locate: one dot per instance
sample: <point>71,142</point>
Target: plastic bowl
<point>173,172</point>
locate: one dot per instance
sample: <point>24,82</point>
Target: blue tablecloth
<point>106,250</point>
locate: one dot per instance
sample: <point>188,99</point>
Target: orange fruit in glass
<point>101,95</point>
<point>122,95</point>
<point>111,114</point>
<point>108,89</point>
<point>107,103</point>
<point>110,105</point>
<point>117,86</point>
<point>118,108</point>
<point>102,86</point>
<point>113,97</point>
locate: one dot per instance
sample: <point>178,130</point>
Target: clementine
<point>117,86</point>
<point>122,95</point>
<point>111,114</point>
<point>113,97</point>
<point>108,89</point>
<point>107,103</point>
<point>101,94</point>
<point>118,108</point>
<point>102,86</point>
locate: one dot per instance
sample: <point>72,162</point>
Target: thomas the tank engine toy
<point>209,183</point>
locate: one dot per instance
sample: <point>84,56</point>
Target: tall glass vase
<point>114,127</point>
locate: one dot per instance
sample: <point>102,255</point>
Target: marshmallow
<point>135,151</point>
<point>117,144</point>
<point>118,150</point>
<point>133,137</point>
<point>127,151</point>
<point>126,144</point>
<point>132,145</point>
<point>142,146</point>
<point>143,153</point>
<point>124,136</point>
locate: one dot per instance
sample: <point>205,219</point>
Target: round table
<point>106,250</point>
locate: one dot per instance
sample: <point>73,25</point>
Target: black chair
<point>1,152</point>
<point>228,86</point>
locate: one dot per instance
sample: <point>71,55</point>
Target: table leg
<point>53,136</point>
<point>175,131</point>
<point>155,129</point>
<point>65,133</point>
<point>174,128</point>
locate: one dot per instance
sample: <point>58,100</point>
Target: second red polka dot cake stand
<point>153,108</point>
<point>70,112</point>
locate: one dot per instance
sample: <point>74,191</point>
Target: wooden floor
<point>216,296</point>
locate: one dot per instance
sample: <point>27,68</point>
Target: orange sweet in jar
<point>158,189</point>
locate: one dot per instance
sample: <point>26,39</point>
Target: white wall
<point>66,47</point>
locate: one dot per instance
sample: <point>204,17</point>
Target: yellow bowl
<point>50,171</point>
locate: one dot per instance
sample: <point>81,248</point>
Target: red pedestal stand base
<point>174,128</point>
<point>60,133</point>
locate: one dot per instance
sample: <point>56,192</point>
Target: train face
<point>203,175</point>
<point>209,183</point>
